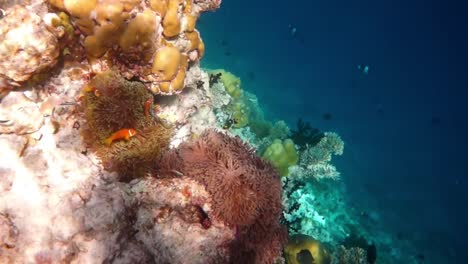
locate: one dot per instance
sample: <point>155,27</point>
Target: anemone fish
<point>125,133</point>
<point>90,89</point>
<point>147,107</point>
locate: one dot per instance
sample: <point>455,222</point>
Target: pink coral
<point>246,191</point>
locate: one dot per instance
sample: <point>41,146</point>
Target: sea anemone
<point>246,191</point>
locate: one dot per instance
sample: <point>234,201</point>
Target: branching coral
<point>246,191</point>
<point>314,161</point>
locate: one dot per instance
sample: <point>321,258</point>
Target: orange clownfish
<point>147,107</point>
<point>88,88</point>
<point>125,133</point>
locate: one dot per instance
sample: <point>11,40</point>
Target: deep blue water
<point>404,123</point>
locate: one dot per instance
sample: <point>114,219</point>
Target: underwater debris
<point>305,134</point>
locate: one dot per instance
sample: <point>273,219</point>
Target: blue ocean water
<point>403,121</point>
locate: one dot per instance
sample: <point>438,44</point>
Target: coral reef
<point>117,147</point>
<point>152,41</point>
<point>246,191</point>
<point>110,104</point>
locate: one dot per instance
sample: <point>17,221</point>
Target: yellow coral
<point>111,13</point>
<point>201,49</point>
<point>80,11</point>
<point>110,33</point>
<point>140,31</point>
<point>171,21</point>
<point>78,8</point>
<point>194,38</point>
<point>191,21</point>
<point>159,6</point>
<point>178,83</point>
<point>129,4</point>
<point>94,47</point>
<point>166,62</point>
<point>305,249</point>
<point>58,4</point>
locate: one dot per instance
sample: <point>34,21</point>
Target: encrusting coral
<point>246,191</point>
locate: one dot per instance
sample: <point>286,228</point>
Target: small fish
<point>363,69</point>
<point>229,122</point>
<point>148,104</point>
<point>125,133</point>
<point>327,116</point>
<point>92,89</point>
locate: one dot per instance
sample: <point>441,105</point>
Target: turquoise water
<point>403,122</point>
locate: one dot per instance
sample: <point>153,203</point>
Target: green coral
<point>240,114</point>
<point>231,83</point>
<point>282,155</point>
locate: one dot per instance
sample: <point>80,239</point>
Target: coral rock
<point>27,47</point>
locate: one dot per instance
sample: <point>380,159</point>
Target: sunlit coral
<point>139,38</point>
